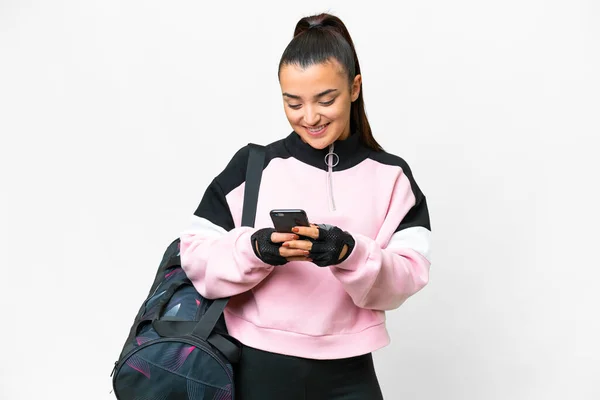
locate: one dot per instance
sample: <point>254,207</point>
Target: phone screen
<point>285,220</point>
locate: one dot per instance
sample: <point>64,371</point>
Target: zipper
<point>114,368</point>
<point>329,157</point>
<point>200,345</point>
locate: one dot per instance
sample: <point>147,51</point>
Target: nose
<point>311,116</point>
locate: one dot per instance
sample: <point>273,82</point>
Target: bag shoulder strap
<point>256,163</point>
<point>254,169</point>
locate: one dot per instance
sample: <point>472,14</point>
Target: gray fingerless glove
<point>268,252</point>
<point>326,249</point>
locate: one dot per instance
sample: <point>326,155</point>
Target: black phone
<point>285,220</point>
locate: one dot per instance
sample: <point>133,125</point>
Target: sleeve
<point>215,255</point>
<point>382,273</point>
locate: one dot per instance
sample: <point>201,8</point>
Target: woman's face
<point>317,101</point>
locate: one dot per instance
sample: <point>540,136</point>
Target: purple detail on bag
<point>223,394</point>
<point>195,390</point>
<point>176,358</point>
<point>141,340</point>
<point>139,365</point>
<point>176,271</point>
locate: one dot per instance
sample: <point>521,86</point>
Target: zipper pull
<point>114,369</point>
<point>330,165</point>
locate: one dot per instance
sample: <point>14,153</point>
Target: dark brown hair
<point>318,39</point>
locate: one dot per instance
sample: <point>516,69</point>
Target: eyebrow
<point>323,93</point>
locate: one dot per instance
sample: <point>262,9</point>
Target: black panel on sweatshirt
<point>351,152</point>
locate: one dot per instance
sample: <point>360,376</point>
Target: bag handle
<point>256,162</point>
<point>172,327</point>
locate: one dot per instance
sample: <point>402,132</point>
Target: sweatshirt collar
<point>350,151</point>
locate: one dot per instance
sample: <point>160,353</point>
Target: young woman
<point>309,306</point>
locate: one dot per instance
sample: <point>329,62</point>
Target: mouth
<point>317,130</point>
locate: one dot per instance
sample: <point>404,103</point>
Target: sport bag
<point>178,347</point>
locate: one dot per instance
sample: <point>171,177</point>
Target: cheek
<point>336,113</point>
<point>293,116</point>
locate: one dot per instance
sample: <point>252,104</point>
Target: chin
<point>318,143</point>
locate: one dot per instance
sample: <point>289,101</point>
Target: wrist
<point>357,255</point>
<point>349,244</point>
<point>246,250</point>
<point>264,249</point>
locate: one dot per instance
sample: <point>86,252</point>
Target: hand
<point>327,244</point>
<point>267,245</point>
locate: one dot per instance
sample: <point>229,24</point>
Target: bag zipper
<point>199,344</point>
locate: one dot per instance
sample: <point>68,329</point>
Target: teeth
<point>317,129</point>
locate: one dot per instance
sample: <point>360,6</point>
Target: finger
<point>298,244</point>
<point>299,259</point>
<point>308,231</point>
<point>284,252</point>
<point>278,237</point>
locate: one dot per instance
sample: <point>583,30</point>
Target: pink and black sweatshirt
<point>301,309</point>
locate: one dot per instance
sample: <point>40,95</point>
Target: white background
<point>115,116</point>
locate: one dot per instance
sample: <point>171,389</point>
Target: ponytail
<point>319,38</point>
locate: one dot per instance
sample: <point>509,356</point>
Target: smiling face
<point>317,101</point>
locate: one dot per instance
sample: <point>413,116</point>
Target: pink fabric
<point>224,266</point>
<point>300,309</point>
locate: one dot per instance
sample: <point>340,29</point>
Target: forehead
<point>313,79</point>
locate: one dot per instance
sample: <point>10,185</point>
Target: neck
<point>350,151</point>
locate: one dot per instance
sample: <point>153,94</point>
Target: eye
<point>294,106</point>
<point>327,103</point>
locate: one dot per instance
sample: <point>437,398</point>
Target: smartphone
<point>285,220</point>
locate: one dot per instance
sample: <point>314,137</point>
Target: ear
<point>355,89</point>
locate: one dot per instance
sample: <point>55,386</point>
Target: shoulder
<point>234,173</point>
<point>395,161</point>
<point>391,160</point>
